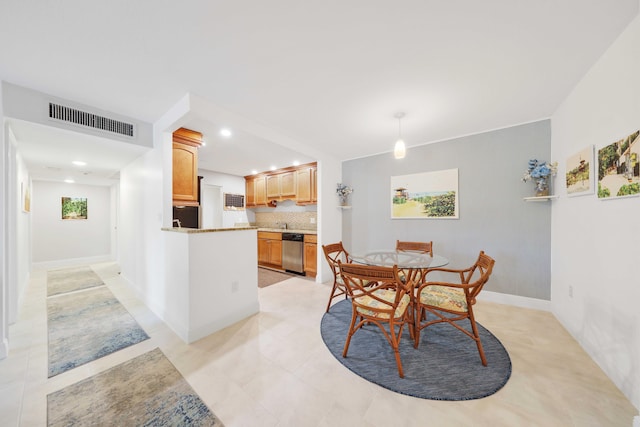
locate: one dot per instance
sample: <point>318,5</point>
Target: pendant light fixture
<point>399,150</point>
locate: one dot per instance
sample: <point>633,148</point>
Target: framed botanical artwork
<point>25,196</point>
<point>618,174</point>
<point>579,172</point>
<point>426,195</point>
<point>74,208</point>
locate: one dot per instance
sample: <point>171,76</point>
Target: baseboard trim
<point>515,300</point>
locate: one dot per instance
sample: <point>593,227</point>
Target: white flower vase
<point>343,200</point>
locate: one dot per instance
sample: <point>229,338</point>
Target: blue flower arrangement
<point>540,173</point>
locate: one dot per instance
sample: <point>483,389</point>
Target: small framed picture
<point>618,174</point>
<point>579,172</point>
<point>74,208</point>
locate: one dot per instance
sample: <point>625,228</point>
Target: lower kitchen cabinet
<point>310,254</point>
<point>270,249</point>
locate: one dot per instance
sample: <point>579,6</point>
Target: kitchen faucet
<point>178,222</point>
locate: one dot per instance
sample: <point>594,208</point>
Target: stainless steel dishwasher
<point>292,252</point>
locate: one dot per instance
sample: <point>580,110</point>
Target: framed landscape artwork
<point>579,173</point>
<point>74,208</point>
<point>618,174</point>
<point>427,195</point>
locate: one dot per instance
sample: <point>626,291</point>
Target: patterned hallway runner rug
<point>147,390</point>
<point>71,279</point>
<point>87,325</point>
<point>446,365</point>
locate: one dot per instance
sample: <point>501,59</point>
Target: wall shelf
<point>540,198</point>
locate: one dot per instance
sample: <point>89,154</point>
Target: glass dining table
<point>415,264</point>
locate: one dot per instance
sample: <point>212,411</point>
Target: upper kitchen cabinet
<point>256,191</point>
<point>185,167</point>
<point>297,183</point>
<point>281,186</point>
<point>306,192</point>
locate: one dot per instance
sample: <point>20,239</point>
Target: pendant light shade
<point>399,151</point>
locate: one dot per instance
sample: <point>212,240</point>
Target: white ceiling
<point>329,75</point>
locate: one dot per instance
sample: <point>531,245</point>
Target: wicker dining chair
<point>453,301</point>
<point>333,253</point>
<point>378,296</point>
<point>424,247</point>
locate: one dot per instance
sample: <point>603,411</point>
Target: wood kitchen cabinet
<point>260,184</point>
<point>306,186</point>
<point>296,183</point>
<point>185,167</point>
<point>273,186</point>
<point>270,249</point>
<point>310,254</point>
<point>250,192</point>
<point>281,186</point>
<point>288,185</point>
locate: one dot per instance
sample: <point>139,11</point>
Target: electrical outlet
<point>235,285</point>
<point>570,291</point>
<point>313,220</point>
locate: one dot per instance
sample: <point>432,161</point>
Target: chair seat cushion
<point>387,295</point>
<point>444,297</point>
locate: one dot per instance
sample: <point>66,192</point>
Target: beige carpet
<point>145,391</point>
<point>71,279</point>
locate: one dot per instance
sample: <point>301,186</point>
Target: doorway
<point>211,204</point>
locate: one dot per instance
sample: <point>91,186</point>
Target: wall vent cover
<point>83,118</point>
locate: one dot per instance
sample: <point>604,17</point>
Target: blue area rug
<point>446,365</point>
<point>71,279</point>
<point>145,391</point>
<point>86,325</point>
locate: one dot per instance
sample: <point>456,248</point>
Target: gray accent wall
<point>493,215</point>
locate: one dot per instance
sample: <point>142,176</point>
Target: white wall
<point>23,234</point>
<point>595,243</point>
<point>55,239</point>
<point>4,162</point>
<point>229,184</point>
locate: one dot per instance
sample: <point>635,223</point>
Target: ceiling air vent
<point>82,118</point>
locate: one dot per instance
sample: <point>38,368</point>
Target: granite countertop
<point>288,230</point>
<point>215,230</point>
<point>205,230</point>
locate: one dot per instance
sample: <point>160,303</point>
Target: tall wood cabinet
<point>185,167</point>
<point>310,254</point>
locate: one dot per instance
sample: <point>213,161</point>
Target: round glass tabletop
<point>386,258</point>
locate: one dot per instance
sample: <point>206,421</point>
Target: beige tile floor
<point>274,370</point>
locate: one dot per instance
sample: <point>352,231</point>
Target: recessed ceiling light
<point>79,163</point>
<point>296,163</point>
<point>225,132</point>
<point>253,172</point>
<point>69,181</point>
<point>273,168</point>
<point>204,143</point>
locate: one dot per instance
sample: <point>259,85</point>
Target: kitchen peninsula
<point>211,279</point>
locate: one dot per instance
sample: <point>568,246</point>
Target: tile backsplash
<point>294,220</point>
